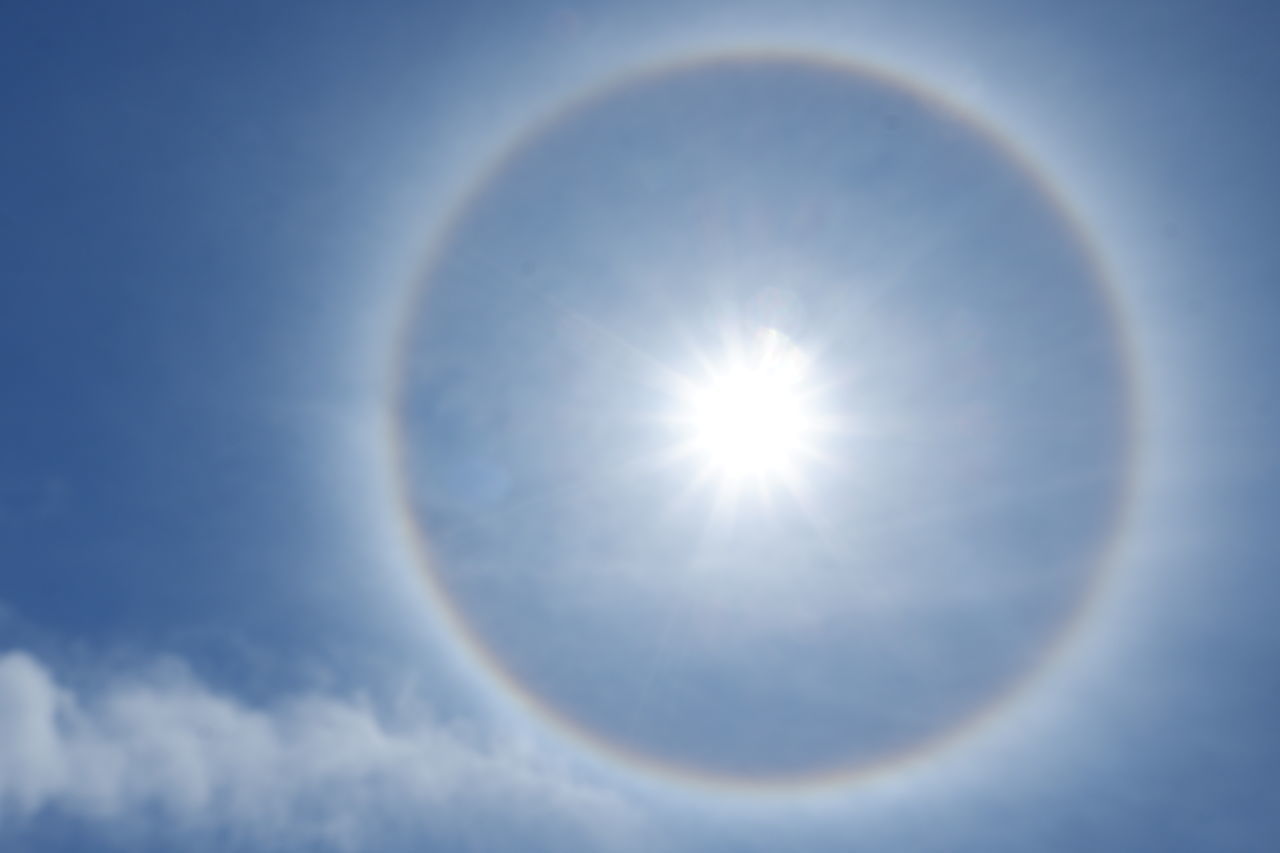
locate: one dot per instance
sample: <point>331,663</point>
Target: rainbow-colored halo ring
<point>479,652</point>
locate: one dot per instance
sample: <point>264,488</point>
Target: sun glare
<point>751,418</point>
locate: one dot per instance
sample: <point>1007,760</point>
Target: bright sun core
<point>750,418</point>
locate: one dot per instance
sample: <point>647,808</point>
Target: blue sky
<point>297,294</point>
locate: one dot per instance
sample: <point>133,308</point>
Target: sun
<point>750,417</point>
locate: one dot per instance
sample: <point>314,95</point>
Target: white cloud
<point>317,768</point>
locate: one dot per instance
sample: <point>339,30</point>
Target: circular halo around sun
<point>566,400</point>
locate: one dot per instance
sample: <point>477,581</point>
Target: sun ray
<point>749,421</point>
